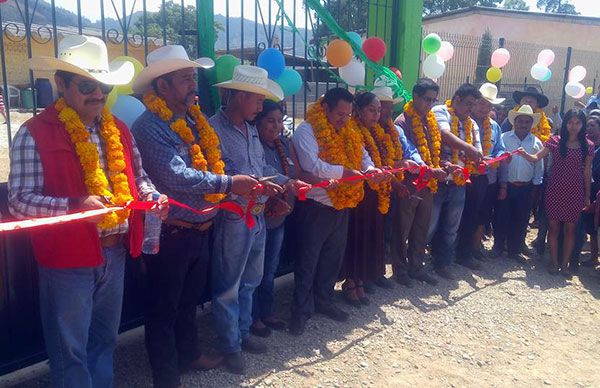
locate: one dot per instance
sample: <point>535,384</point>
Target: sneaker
<point>251,345</point>
<point>423,276</point>
<point>234,363</point>
<point>403,279</point>
<point>333,312</point>
<point>297,326</point>
<point>445,273</point>
<point>383,282</point>
<point>469,263</point>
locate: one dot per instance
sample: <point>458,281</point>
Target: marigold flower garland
<point>283,157</point>
<point>392,153</point>
<point>543,130</point>
<point>375,148</point>
<point>342,147</point>
<point>486,143</point>
<point>206,154</point>
<point>430,153</point>
<point>459,179</point>
<point>94,176</point>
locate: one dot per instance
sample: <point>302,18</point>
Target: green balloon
<point>224,67</point>
<point>432,43</point>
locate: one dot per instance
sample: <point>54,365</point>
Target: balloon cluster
<point>120,101</point>
<point>574,88</point>
<point>273,61</point>
<point>540,71</point>
<point>439,53</point>
<point>500,58</point>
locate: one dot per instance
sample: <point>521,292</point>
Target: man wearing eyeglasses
<point>71,157</point>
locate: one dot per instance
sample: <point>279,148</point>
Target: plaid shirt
<point>26,180</point>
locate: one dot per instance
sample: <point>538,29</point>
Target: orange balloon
<point>339,53</point>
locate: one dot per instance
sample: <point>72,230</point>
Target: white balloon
<point>575,89</point>
<point>353,73</point>
<point>433,66</point>
<point>539,72</point>
<point>446,51</point>
<point>577,74</point>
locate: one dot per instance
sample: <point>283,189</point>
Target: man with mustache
<point>71,157</point>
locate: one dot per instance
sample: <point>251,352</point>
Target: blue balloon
<point>290,82</point>
<point>128,109</point>
<point>272,61</point>
<point>356,38</point>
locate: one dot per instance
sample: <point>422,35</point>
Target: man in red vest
<point>76,156</point>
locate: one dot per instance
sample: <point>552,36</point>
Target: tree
<point>350,15</point>
<point>557,6</point>
<point>518,5</point>
<point>484,57</point>
<point>441,6</point>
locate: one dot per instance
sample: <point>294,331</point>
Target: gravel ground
<point>507,325</point>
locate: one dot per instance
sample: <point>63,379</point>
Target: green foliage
<point>440,6</point>
<point>557,6</point>
<point>484,57</point>
<point>518,5</point>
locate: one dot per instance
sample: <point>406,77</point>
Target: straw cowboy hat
<point>86,56</point>
<point>253,79</point>
<point>163,60</point>
<point>385,93</point>
<point>524,110</point>
<point>531,91</point>
<point>490,92</point>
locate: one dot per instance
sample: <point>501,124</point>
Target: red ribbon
<point>486,163</point>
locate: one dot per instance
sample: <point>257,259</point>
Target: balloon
<point>540,72</point>
<point>500,57</point>
<point>397,72</point>
<point>290,82</point>
<point>575,89</point>
<point>432,43</point>
<point>128,109</point>
<point>339,53</point>
<point>111,98</point>
<point>577,74</point>
<point>546,57</point>
<point>446,51</point>
<point>589,90</point>
<point>433,66</point>
<point>224,67</point>
<point>137,66</point>
<point>356,38</point>
<point>272,61</point>
<point>374,48</point>
<point>353,73</point>
<point>493,74</point>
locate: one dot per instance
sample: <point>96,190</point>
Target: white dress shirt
<point>307,149</point>
<point>519,169</point>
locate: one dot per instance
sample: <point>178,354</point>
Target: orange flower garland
<point>343,147</point>
<point>486,143</point>
<point>468,130</point>
<point>384,188</point>
<point>543,130</point>
<point>396,154</point>
<point>430,153</point>
<point>205,155</point>
<point>94,177</point>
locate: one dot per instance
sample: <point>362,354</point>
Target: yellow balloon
<point>137,66</point>
<point>589,90</point>
<point>494,74</point>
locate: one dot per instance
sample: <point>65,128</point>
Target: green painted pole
<point>209,96</point>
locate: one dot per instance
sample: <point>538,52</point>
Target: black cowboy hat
<point>531,91</point>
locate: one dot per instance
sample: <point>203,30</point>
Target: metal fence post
<point>565,80</point>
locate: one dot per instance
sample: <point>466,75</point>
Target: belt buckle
<point>257,209</point>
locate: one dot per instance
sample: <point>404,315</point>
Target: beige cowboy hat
<point>253,79</point>
<point>163,60</point>
<point>385,93</point>
<point>490,92</point>
<point>524,110</point>
<point>86,56</point>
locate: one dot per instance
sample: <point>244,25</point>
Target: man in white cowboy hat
<point>481,193</point>
<point>238,258</point>
<point>177,274</point>
<point>81,265</point>
<point>528,96</point>
<point>519,179</point>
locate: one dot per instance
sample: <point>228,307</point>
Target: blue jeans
<point>262,306</point>
<point>237,269</point>
<point>448,205</point>
<point>80,311</point>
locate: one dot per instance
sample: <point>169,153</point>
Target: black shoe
<point>445,273</point>
<point>297,326</point>
<point>275,324</point>
<point>403,279</point>
<point>478,255</point>
<point>519,258</point>
<point>251,345</point>
<point>566,272</point>
<point>234,363</point>
<point>495,253</point>
<point>553,270</point>
<point>590,263</point>
<point>423,276</point>
<point>333,312</point>
<point>469,263</point>
<point>260,331</point>
<point>383,282</point>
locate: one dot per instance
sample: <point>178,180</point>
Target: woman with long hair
<point>568,190</point>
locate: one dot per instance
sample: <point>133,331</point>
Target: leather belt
<point>110,240</point>
<point>519,184</point>
<point>202,226</point>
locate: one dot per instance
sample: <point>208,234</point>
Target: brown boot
<point>206,362</point>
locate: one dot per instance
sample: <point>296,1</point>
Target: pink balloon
<point>500,57</point>
<point>546,57</point>
<point>446,51</point>
<point>577,74</point>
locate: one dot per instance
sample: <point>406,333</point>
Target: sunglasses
<point>89,87</point>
